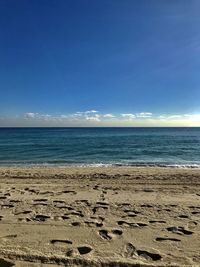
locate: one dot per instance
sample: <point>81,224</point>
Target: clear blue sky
<point>116,57</point>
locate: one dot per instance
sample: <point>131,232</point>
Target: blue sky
<point>122,58</point>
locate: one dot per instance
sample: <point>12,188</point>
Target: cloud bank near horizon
<point>96,118</point>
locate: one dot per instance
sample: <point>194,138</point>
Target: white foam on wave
<point>63,164</point>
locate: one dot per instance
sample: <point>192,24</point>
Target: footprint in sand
<point>129,224</point>
<point>7,206</point>
<point>76,224</point>
<point>194,207</point>
<point>179,230</point>
<point>6,263</point>
<point>148,190</point>
<point>41,217</point>
<point>196,212</point>
<point>105,234</point>
<point>102,203</point>
<point>47,193</point>
<point>117,232</point>
<point>40,200</point>
<point>93,223</point>
<point>183,216</point>
<point>30,190</point>
<point>96,187</point>
<point>192,224</point>
<point>146,206</point>
<point>130,251</point>
<point>81,250</point>
<point>83,201</point>
<point>124,204</point>
<point>84,250</point>
<point>70,253</point>
<point>64,207</point>
<point>168,210</point>
<point>61,241</point>
<point>40,204</point>
<point>75,213</point>
<point>160,239</point>
<point>132,211</point>
<point>173,205</point>
<point>15,201</point>
<point>23,212</point>
<point>69,191</point>
<point>7,194</point>
<point>64,217</point>
<point>99,224</point>
<point>10,236</point>
<point>149,255</point>
<point>97,208</point>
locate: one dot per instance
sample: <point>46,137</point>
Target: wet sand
<point>99,217</point>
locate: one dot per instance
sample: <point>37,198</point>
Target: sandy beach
<point>99,216</point>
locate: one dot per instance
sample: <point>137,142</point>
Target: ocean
<point>175,147</point>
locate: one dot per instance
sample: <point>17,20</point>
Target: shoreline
<point>85,167</point>
<point>101,165</point>
<point>71,169</point>
<point>113,216</point>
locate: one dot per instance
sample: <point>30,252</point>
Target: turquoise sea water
<point>178,147</point>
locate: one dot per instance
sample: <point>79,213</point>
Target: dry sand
<point>99,217</point>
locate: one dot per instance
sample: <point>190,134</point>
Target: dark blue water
<point>96,146</point>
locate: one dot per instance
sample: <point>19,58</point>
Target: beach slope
<point>99,216</point>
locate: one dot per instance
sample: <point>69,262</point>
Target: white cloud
<point>93,118</point>
<point>89,115</point>
<point>46,116</point>
<point>128,116</point>
<point>175,116</point>
<point>91,111</point>
<point>108,116</point>
<point>192,116</point>
<point>64,116</point>
<point>84,113</point>
<point>31,115</point>
<point>162,117</point>
<point>144,115</point>
<point>77,114</point>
